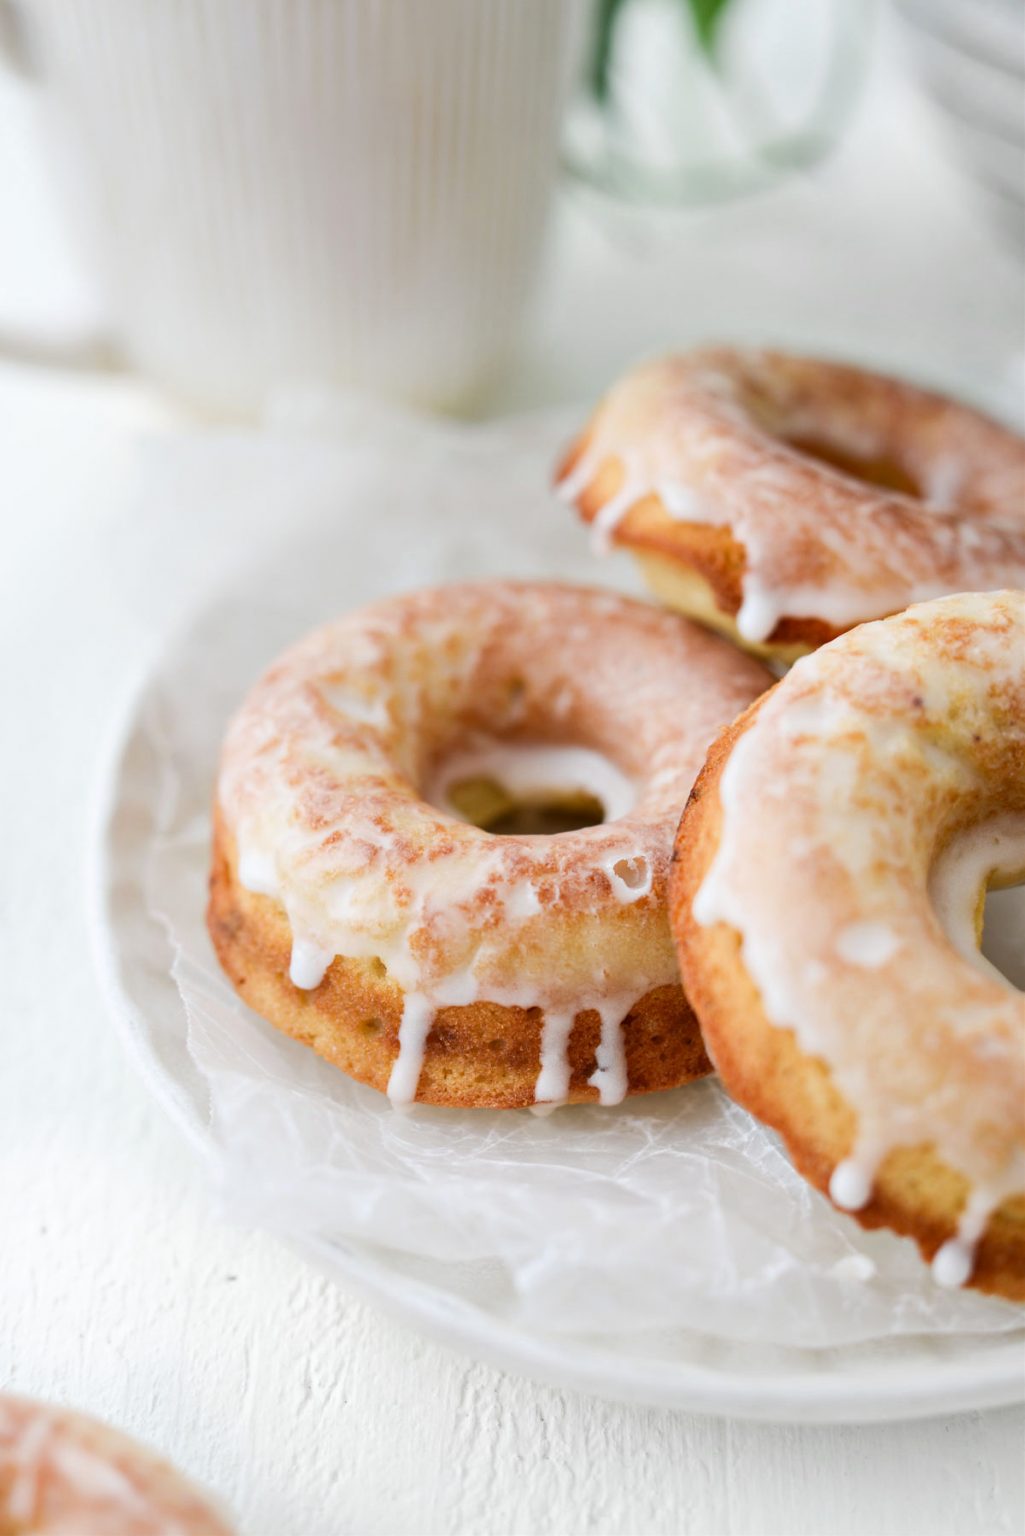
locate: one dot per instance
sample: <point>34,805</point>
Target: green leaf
<point>707,15</point>
<point>605,24</point>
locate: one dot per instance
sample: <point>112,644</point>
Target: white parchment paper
<point>676,1211</point>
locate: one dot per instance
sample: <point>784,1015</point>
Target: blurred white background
<point>885,253</point>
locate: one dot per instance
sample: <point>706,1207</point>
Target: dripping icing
<point>404,1079</point>
<point>308,964</point>
<point>552,1084</point>
<point>610,1076</point>
<point>256,872</point>
<point>850,1184</point>
<point>954,1260</point>
<point>577,480</point>
<point>610,515</point>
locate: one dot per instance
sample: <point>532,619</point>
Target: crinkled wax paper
<point>674,1211</point>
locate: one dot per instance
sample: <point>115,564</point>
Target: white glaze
<point>867,944</point>
<point>953,1263</point>
<point>610,1075</point>
<point>850,1185</point>
<point>629,877</point>
<point>371,709</point>
<point>257,873</point>
<point>521,901</point>
<point>553,1079</point>
<point>830,889</point>
<point>417,1018</point>
<point>576,481</point>
<point>308,965</point>
<point>611,514</point>
<point>816,543</point>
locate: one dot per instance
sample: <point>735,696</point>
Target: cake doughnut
<point>826,897</point>
<point>353,906</point>
<point>62,1474</point>
<point>782,500</point>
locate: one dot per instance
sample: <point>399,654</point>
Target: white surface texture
<point>120,1292</point>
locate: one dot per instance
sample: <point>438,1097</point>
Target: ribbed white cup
<point>341,191</point>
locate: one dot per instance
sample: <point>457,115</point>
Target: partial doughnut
<point>62,1474</point>
<point>783,500</point>
<point>826,897</point>
<point>353,906</point>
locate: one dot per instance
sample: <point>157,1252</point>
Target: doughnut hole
<point>872,469</point>
<point>1003,923</point>
<point>862,426</point>
<point>976,891</point>
<point>489,805</point>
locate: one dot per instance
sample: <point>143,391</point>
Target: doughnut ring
<point>782,500</point>
<point>61,1472</point>
<point>354,906</point>
<point>826,897</point>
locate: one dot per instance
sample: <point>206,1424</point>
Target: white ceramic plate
<point>466,1304</point>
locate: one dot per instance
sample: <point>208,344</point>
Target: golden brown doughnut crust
<point>481,1055</point>
<point>762,1067</point>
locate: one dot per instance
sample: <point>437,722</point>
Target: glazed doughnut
<point>62,1474</point>
<point>826,897</point>
<point>783,500</point>
<point>353,908</point>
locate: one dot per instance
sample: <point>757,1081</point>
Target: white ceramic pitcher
<point>349,192</point>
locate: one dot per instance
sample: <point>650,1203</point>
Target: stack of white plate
<point>970,58</point>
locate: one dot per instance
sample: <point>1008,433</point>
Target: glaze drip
<point>553,1079</point>
<point>417,1018</point>
<point>610,1076</point>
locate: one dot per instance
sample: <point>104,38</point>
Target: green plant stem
<point>706,16</point>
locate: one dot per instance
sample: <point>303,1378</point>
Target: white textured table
<point>119,1291</point>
